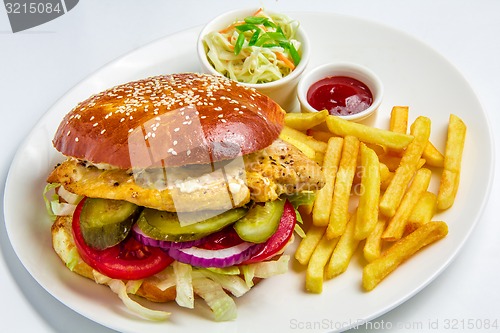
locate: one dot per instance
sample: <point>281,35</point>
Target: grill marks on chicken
<point>278,169</point>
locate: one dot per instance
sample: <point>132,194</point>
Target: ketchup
<point>340,95</point>
<point>225,238</point>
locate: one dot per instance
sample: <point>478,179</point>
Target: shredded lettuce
<point>298,229</point>
<point>264,269</point>
<point>133,285</point>
<point>62,208</point>
<point>267,269</point>
<point>248,273</point>
<point>302,198</point>
<point>68,196</point>
<point>52,203</point>
<point>232,283</point>
<point>165,279</point>
<point>305,198</point>
<point>54,197</point>
<point>120,288</point>
<point>184,286</point>
<point>231,270</point>
<point>221,304</point>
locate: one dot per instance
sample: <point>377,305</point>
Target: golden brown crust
<point>170,120</point>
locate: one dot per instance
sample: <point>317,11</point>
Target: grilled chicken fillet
<point>278,169</point>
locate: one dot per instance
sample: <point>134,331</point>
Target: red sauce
<point>340,95</point>
<point>225,238</point>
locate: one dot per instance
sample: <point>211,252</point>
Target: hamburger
<point>177,186</point>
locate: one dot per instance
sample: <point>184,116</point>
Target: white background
<point>40,65</point>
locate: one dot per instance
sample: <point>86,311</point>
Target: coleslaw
<point>257,49</point>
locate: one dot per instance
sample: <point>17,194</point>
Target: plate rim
<point>193,30</point>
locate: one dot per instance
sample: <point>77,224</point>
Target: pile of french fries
<point>376,197</point>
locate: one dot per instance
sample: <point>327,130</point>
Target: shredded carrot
<point>258,12</point>
<point>226,29</point>
<point>287,61</point>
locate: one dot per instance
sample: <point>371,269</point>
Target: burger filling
<point>133,224</point>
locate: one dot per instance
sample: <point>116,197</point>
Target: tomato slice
<point>280,238</point>
<point>129,260</point>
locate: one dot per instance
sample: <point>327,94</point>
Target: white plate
<point>413,74</point>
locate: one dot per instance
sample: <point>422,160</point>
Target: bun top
<point>170,120</point>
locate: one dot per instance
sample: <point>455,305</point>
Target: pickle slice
<point>261,222</point>
<point>163,225</point>
<point>105,222</point>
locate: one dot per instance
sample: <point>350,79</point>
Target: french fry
<point>391,140</point>
<point>367,215</point>
<point>315,272</point>
<point>342,189</point>
<point>303,147</point>
<point>391,161</point>
<point>373,243</point>
<point>378,149</point>
<point>320,135</point>
<point>385,176</point>
<point>450,177</point>
<point>318,146</point>
<point>308,244</point>
<point>323,202</point>
<point>344,250</point>
<point>423,211</point>
<point>391,199</point>
<point>388,187</point>
<point>399,119</point>
<point>377,270</point>
<point>433,156</point>
<point>304,121</point>
<point>397,223</point>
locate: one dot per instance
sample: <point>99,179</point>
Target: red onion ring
<point>140,236</point>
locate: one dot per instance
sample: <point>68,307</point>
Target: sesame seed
<point>176,129</point>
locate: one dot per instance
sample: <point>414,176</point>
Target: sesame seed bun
<point>170,120</point>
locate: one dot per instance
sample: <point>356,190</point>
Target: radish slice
<point>140,236</point>
<point>220,258</point>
